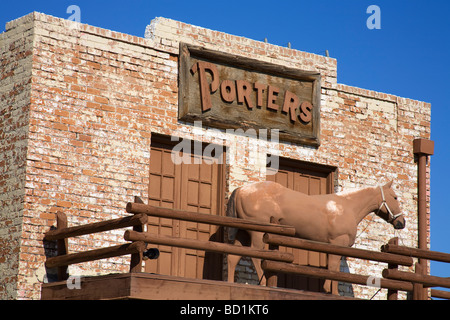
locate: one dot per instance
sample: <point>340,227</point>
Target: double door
<point>194,185</point>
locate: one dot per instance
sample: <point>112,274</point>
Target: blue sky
<point>408,56</point>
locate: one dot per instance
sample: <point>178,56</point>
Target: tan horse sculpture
<point>331,218</point>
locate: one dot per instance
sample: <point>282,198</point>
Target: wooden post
<point>272,278</point>
<point>392,294</point>
<point>62,244</point>
<point>137,258</point>
<point>422,148</point>
<point>418,287</point>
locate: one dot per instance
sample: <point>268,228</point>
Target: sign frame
<point>189,112</point>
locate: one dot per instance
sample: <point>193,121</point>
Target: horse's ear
<point>389,184</point>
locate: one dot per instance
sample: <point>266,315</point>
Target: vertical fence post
<point>422,148</point>
<point>137,258</point>
<point>62,244</point>
<point>418,287</point>
<point>392,294</point>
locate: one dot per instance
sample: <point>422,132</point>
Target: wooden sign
<point>228,91</point>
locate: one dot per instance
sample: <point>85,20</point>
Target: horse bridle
<point>392,217</point>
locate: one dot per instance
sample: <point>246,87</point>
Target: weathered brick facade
<point>78,108</point>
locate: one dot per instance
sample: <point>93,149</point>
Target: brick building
<point>87,117</point>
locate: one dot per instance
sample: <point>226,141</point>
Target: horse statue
<point>330,218</point>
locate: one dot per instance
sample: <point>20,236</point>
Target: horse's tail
<point>231,212</point>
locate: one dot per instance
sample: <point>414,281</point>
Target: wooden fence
<point>392,254</point>
<point>274,261</point>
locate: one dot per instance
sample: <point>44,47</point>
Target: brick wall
<point>78,138</point>
<point>367,135</point>
<point>15,87</point>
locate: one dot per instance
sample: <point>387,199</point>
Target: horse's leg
<point>232,260</point>
<point>334,263</point>
<point>258,243</point>
<point>259,271</point>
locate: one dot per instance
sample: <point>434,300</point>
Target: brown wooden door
<point>312,180</point>
<point>193,187</point>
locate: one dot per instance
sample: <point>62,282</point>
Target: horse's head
<point>389,209</point>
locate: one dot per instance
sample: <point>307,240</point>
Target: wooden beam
<point>337,250</point>
<point>149,286</point>
<point>67,232</point>
<point>426,280</point>
<point>207,246</point>
<point>96,254</point>
<point>210,219</point>
<point>418,253</point>
<point>440,294</point>
<point>332,275</point>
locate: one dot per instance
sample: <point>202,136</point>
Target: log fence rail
<point>274,262</point>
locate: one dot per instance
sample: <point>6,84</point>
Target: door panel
<point>196,186</point>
